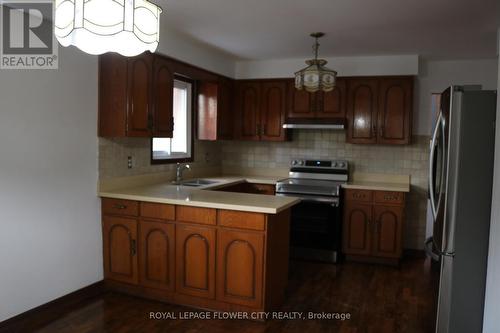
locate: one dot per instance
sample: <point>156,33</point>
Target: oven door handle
<point>334,201</point>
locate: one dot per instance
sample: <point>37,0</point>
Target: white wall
<point>50,237</point>
<point>492,301</point>
<point>183,47</point>
<point>345,66</point>
<point>436,76</point>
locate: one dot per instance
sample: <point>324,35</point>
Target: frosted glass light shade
<point>315,76</point>
<point>128,27</point>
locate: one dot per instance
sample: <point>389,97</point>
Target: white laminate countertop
<point>379,182</point>
<point>201,196</point>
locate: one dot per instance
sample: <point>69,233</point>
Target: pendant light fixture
<point>128,27</point>
<point>315,76</point>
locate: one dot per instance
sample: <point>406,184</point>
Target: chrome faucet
<point>180,168</point>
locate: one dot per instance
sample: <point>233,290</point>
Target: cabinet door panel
<point>139,119</point>
<point>395,105</point>
<point>195,263</point>
<point>240,262</point>
<point>163,98</point>
<point>300,102</point>
<point>119,245</point>
<point>332,104</point>
<point>248,105</point>
<point>273,111</point>
<point>387,235</point>
<point>112,95</point>
<point>157,254</point>
<point>208,98</point>
<point>357,229</point>
<point>362,111</point>
<point>225,119</point>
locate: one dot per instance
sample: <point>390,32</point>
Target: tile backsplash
<point>213,158</point>
<point>401,160</point>
<point>113,155</point>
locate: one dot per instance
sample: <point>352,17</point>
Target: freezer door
<point>438,169</point>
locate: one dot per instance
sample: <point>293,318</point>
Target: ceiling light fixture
<point>315,76</point>
<point>128,27</point>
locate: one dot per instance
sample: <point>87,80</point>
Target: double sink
<point>198,182</point>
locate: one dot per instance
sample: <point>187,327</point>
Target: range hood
<point>315,123</point>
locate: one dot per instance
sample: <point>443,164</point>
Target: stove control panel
<point>320,164</point>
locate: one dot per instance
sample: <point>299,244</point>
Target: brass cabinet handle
<point>358,196</point>
<point>118,206</point>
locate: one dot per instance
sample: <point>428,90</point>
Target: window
<point>179,148</point>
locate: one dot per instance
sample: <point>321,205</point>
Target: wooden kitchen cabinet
<point>362,106</point>
<point>387,240</point>
<point>260,110</point>
<point>162,120</point>
<point>394,111</point>
<point>326,105</point>
<point>224,260</point>
<point>379,110</point>
<point>215,118</point>
<point>120,249</point>
<point>240,267</point>
<point>157,254</point>
<point>357,236</point>
<point>135,96</point>
<point>195,261</point>
<point>373,225</point>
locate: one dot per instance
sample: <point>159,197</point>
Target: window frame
<point>193,116</point>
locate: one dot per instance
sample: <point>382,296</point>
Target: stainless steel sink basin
<point>198,182</point>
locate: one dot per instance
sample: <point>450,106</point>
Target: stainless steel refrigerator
<point>460,186</point>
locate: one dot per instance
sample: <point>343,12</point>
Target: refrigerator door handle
<point>431,166</point>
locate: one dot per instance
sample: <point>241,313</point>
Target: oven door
<point>315,230</point>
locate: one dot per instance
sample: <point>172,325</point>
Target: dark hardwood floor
<point>378,298</point>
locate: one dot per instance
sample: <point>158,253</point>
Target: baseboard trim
<point>41,315</point>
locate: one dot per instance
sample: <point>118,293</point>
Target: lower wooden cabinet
<point>388,225</point>
<point>207,258</point>
<point>239,267</point>
<point>157,254</point>
<point>357,236</point>
<point>195,261</point>
<point>120,249</point>
<point>373,225</point>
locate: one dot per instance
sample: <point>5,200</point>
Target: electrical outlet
<point>129,162</point>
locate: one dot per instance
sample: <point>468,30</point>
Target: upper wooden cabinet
<point>135,96</point>
<point>215,119</point>
<point>379,110</point>
<point>260,110</point>
<point>303,104</point>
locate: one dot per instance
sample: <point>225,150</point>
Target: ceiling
<point>272,29</point>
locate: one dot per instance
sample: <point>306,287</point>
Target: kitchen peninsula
<point>197,245</point>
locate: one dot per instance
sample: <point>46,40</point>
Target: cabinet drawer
<point>389,197</point>
<point>196,215</point>
<point>243,220</point>
<point>358,195</point>
<point>120,207</point>
<point>158,211</point>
